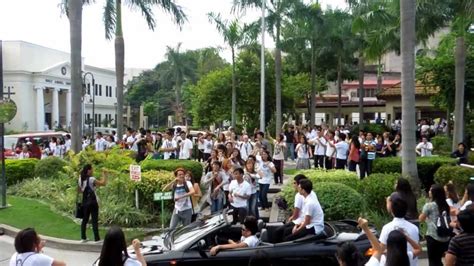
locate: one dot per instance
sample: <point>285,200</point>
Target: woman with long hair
<point>278,156</point>
<point>452,197</point>
<point>212,158</point>
<point>221,140</point>
<point>404,191</point>
<point>266,169</point>
<point>236,160</point>
<point>197,189</point>
<point>114,250</point>
<point>251,176</point>
<point>213,181</point>
<point>303,151</point>
<point>354,153</point>
<point>436,242</point>
<point>87,185</point>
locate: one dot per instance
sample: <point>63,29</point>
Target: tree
<point>113,26</point>
<point>407,44</point>
<point>235,36</point>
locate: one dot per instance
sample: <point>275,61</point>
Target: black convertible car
<point>190,245</point>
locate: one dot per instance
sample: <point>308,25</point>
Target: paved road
<point>72,258</point>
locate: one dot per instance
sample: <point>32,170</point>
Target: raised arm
<point>378,249</point>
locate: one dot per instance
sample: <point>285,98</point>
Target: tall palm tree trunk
<point>379,76</point>
<point>278,80</point>
<point>119,66</point>
<point>460,72</point>
<point>75,29</point>
<point>312,101</point>
<point>339,90</point>
<point>177,87</point>
<point>361,89</point>
<point>234,90</point>
<point>407,42</point>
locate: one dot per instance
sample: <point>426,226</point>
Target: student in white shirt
<point>330,150</point>
<point>320,149</point>
<point>313,222</point>
<point>185,147</point>
<point>239,193</point>
<point>399,209</point>
<point>182,192</point>
<point>248,239</point>
<point>29,247</point>
<point>168,148</point>
<point>266,169</point>
<point>245,147</point>
<point>114,250</point>
<point>100,144</point>
<point>68,142</point>
<point>424,148</point>
<point>468,197</point>
<point>208,145</point>
<point>342,150</point>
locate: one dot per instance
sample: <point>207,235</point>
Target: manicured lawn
<point>25,213</point>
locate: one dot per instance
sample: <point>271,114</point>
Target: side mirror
<point>201,245</point>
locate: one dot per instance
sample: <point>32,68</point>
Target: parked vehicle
<point>190,245</point>
<point>13,143</point>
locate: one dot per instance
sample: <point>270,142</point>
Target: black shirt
<point>462,156</point>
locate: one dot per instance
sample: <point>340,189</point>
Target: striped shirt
<point>462,246</point>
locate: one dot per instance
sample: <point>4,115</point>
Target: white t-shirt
<point>186,145</point>
<point>320,146</point>
<point>374,262</point>
<point>167,144</point>
<point>330,150</point>
<point>207,146</point>
<point>266,169</point>
<point>467,203</point>
<point>68,144</point>
<point>251,241</point>
<point>100,144</point>
<point>30,259</point>
<point>245,150</point>
<point>409,228</point>
<point>130,140</point>
<point>450,202</point>
<point>312,208</point>
<point>278,151</point>
<point>132,262</point>
<point>243,189</point>
<point>342,149</point>
<point>425,148</point>
<point>253,185</point>
<point>303,151</point>
<point>183,203</point>
<point>299,201</point>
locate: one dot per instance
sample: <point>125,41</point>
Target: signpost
<point>136,176</point>
<point>162,196</point>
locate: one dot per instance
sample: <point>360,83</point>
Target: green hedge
<point>457,174</point>
<point>339,201</point>
<point>427,167</point>
<point>171,165</point>
<point>16,170</point>
<point>50,167</point>
<point>376,188</point>
<point>442,145</point>
<point>349,179</point>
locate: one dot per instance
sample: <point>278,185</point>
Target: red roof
<point>370,84</point>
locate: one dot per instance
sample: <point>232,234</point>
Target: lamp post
<point>93,98</point>
<point>3,178</point>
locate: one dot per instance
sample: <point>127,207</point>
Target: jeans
<point>319,161</point>
<point>252,205</point>
<point>282,232</point>
<point>365,166</point>
<point>341,164</point>
<point>93,211</point>
<point>436,250</point>
<point>329,163</point>
<point>352,166</point>
<point>302,233</point>
<point>278,175</point>
<point>238,215</point>
<point>181,216</point>
<point>291,150</point>
<point>216,205</point>
<point>263,195</point>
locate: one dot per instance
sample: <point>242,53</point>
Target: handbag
<point>79,213</point>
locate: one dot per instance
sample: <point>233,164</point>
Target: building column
<point>55,109</point>
<point>68,109</point>
<point>40,117</point>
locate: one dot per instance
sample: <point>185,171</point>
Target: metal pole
<point>3,182</point>
<point>93,106</point>
<point>262,72</point>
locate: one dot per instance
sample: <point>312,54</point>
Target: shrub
<point>118,162</point>
<point>457,174</point>
<point>171,165</point>
<point>373,128</point>
<point>376,187</point>
<point>50,167</point>
<point>470,158</point>
<point>339,201</point>
<point>349,179</point>
<point>441,145</point>
<point>427,167</point>
<point>17,170</point>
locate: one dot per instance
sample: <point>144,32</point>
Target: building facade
<point>38,80</point>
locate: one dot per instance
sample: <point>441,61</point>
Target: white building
<point>38,79</point>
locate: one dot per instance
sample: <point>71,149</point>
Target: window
<point>100,90</point>
<point>95,118</point>
<point>89,88</point>
<point>368,93</point>
<point>100,120</point>
<point>96,89</point>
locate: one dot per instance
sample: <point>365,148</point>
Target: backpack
<point>442,225</point>
<point>186,188</point>
<point>88,195</point>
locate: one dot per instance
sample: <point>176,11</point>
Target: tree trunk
<point>234,90</point>
<point>460,65</point>
<point>75,29</point>
<point>177,88</point>
<point>379,76</point>
<point>361,89</point>
<point>407,42</point>
<point>312,101</point>
<point>119,66</point>
<point>448,123</point>
<point>278,80</point>
<point>339,90</point>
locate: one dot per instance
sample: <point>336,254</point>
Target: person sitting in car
<point>248,239</point>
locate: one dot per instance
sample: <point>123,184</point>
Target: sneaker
<point>99,241</point>
<point>84,240</point>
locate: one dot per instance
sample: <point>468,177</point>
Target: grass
<point>290,172</point>
<point>25,213</point>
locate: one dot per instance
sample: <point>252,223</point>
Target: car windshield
<point>189,233</point>
<point>10,142</point>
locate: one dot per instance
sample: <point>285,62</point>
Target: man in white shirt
<point>320,149</point>
<point>185,147</point>
<point>398,209</point>
<point>100,144</point>
<point>68,142</point>
<point>208,144</point>
<point>245,148</point>
<point>330,150</point>
<point>342,150</point>
<point>424,148</point>
<point>168,148</point>
<point>239,192</point>
<point>313,222</point>
<point>248,239</point>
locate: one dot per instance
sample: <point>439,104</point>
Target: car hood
<point>153,246</point>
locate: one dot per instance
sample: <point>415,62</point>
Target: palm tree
<point>113,26</point>
<point>407,44</point>
<point>278,12</point>
<point>180,67</point>
<point>235,36</point>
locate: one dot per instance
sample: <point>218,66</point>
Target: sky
<point>41,22</point>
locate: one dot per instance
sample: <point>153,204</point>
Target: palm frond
<point>63,5</point>
<point>172,8</point>
<point>144,6</point>
<point>110,19</point>
<point>241,5</point>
